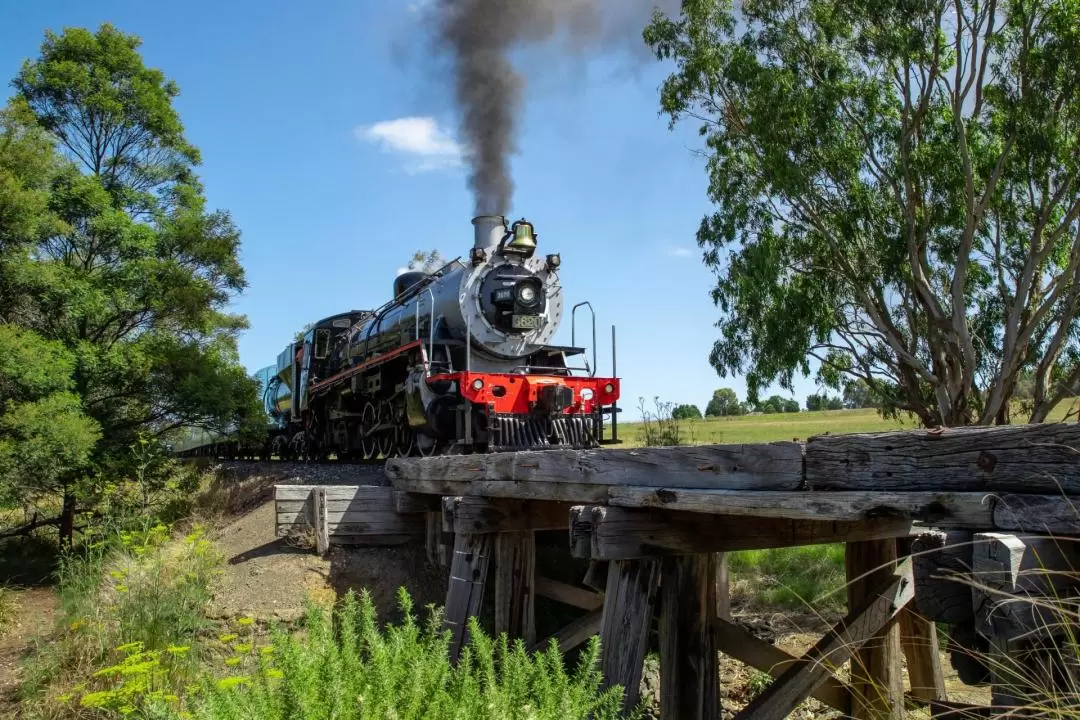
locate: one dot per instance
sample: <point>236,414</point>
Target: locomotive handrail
<point>573,332</point>
<point>431,329</point>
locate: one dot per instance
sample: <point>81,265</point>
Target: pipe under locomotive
<point>460,360</point>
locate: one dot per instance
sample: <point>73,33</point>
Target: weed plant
<point>134,599</point>
<point>661,428</point>
<point>353,670</point>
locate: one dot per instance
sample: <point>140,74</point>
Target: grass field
<point>788,426</point>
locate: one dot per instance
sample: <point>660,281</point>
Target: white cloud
<point>420,138</point>
<point>680,252</point>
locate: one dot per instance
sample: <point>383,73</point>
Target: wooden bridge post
<point>689,668</point>
<point>515,585</point>
<point>877,689</point>
<point>625,624</point>
<point>468,575</point>
<point>919,641</point>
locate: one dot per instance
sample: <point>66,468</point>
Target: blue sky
<point>330,138</point>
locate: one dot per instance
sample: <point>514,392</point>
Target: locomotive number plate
<point>525,322</point>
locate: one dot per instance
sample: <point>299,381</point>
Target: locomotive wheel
<point>386,438</point>
<point>368,419</point>
<point>280,447</point>
<point>426,450</point>
<point>405,444</point>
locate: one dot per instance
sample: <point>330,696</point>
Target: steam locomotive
<point>459,361</point>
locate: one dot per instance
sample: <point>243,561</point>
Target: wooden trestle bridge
<point>654,524</point>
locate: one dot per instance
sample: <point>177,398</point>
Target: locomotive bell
<point>523,240</point>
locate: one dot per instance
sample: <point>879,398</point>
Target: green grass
<point>790,426</point>
<point>809,579</point>
<point>770,428</point>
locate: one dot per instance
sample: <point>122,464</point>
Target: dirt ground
<point>35,613</point>
<point>270,578</point>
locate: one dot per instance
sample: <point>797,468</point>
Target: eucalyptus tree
<point>897,194</point>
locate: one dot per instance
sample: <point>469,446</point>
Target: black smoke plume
<point>478,36</point>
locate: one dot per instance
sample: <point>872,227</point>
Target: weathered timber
<point>814,667</point>
<point>433,524</point>
<point>575,633</point>
<point>962,711</point>
<point>568,594</point>
<point>319,521</point>
<point>1051,514</point>
<point>1007,458</point>
<point>446,545</point>
<point>876,683</point>
<point>765,466</point>
<point>596,575</point>
<point>554,491</point>
<point>373,540</point>
<point>942,567</point>
<point>515,570</point>
<point>379,497</point>
<point>689,672</point>
<point>414,527</point>
<point>406,502</point>
<point>918,638</point>
<point>347,514</point>
<point>941,510</point>
<point>627,618</point>
<point>611,533</point>
<point>374,517</point>
<point>477,514</point>
<point>1024,590</point>
<point>723,588</point>
<point>468,574</point>
<point>919,641</point>
<point>743,646</point>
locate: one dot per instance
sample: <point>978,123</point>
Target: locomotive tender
<point>458,361</point>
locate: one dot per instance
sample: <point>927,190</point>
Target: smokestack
<point>489,231</point>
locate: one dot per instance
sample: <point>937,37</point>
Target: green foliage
<point>110,255</point>
<point>823,401</point>
<point>778,404</point>
<point>44,433</point>
<point>661,428</point>
<point>897,191</point>
<point>807,578</point>
<point>723,403</point>
<point>132,608</point>
<point>428,262</point>
<point>686,412</point>
<point>352,669</point>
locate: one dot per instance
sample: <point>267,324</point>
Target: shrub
<point>662,428</point>
<point>128,603</point>
<point>358,671</point>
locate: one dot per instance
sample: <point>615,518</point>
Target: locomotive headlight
<point>609,388</point>
<point>477,384</point>
<point>528,293</point>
